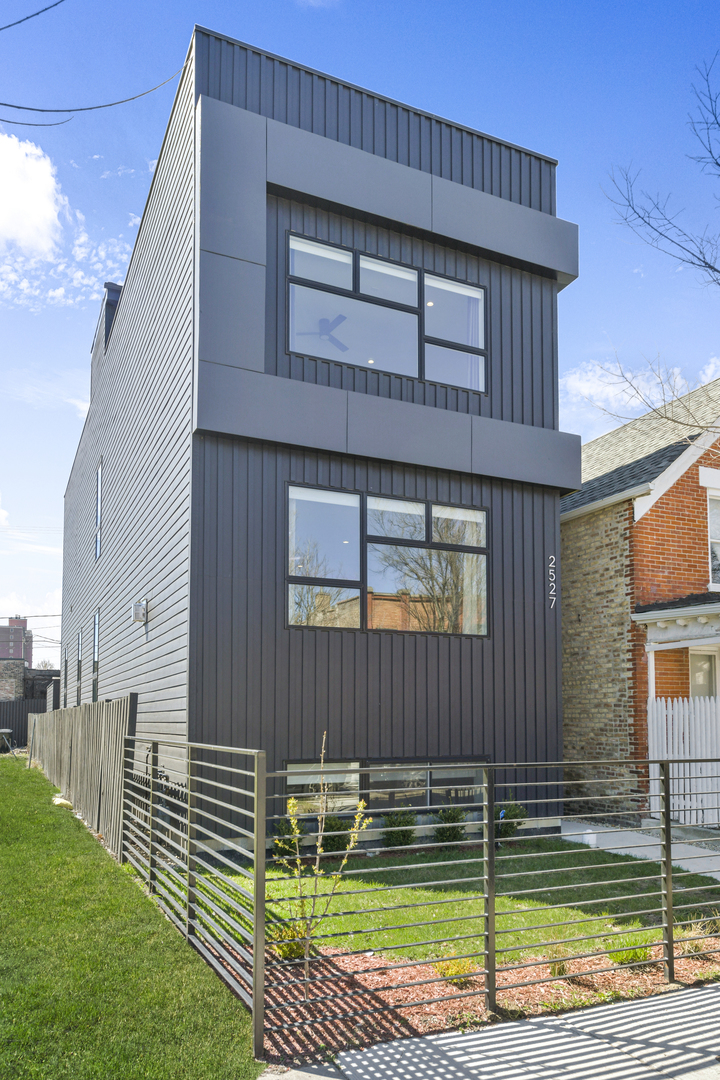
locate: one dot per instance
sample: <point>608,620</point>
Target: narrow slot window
<point>98,510</point>
<point>96,655</point>
<point>79,667</point>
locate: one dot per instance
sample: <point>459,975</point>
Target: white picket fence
<point>687,728</point>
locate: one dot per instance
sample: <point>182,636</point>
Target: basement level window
<point>382,316</point>
<point>367,562</point>
<point>420,785</point>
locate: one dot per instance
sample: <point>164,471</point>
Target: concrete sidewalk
<point>696,858</point>
<point>676,1034</point>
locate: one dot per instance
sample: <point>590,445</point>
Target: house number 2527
<point>552,587</point>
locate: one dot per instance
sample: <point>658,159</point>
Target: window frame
<point>713,586</point>
<point>365,538</point>
<point>705,650</point>
<point>419,311</point>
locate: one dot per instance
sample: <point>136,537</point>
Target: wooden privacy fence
<point>81,752</point>
<point>14,715</point>
<point>686,728</point>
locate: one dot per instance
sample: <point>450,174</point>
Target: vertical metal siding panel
<point>210,613</point>
<point>379,115</point>
<point>225,73</point>
<point>214,66</point>
<point>331,110</point>
<point>280,92</point>
<point>240,77</point>
<point>267,106</point>
<point>318,105</point>
<point>202,63</point>
<point>225,573</point>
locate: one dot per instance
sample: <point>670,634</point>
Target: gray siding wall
<point>139,424</point>
<point>256,683</point>
<point>522,321</point>
<point>271,86</point>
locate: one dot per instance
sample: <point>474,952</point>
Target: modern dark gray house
<point>318,484</point>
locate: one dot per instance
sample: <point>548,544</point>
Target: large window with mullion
<point>354,308</point>
<point>376,563</point>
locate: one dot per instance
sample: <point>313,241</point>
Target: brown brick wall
<point>12,679</point>
<point>672,673</point>
<point>596,634</point>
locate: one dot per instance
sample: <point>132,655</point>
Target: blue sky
<point>594,85</point>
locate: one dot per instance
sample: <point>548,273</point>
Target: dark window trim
<point>419,310</point>
<point>365,538</point>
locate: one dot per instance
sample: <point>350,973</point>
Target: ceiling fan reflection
<point>325,332</point>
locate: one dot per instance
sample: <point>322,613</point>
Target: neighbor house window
<point>381,315</point>
<point>703,674</point>
<point>98,509</point>
<point>79,667</point>
<point>340,780</point>
<point>383,786</point>
<point>375,563</point>
<point>96,655</point>
<point>714,528</point>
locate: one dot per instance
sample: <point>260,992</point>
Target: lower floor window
<point>374,563</point>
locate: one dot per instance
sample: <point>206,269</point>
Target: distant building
<point>17,680</point>
<point>16,641</point>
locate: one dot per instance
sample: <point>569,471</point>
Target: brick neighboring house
<point>640,545</point>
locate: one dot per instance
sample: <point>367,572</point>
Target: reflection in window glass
<point>454,312</point>
<point>714,521</point>
<point>351,331</point>
<point>319,262</point>
<point>457,525</point>
<point>412,588</point>
<point>459,784</point>
<point>398,787</point>
<point>324,529</point>
<point>395,517</point>
<point>454,367</point>
<point>388,281</point>
<point>324,605</point>
<point>702,675</point>
<point>341,782</point>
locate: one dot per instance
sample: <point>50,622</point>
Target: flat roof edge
<point>374,93</point>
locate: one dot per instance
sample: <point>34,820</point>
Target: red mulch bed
<point>355,974</point>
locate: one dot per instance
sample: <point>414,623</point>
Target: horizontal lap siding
<point>140,423</point>
<point>255,683</point>
<point>273,87</point>
<point>521,329</point>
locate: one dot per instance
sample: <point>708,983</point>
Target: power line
<point>91,108</point>
<point>27,123</point>
<point>31,616</point>
<point>41,12</point>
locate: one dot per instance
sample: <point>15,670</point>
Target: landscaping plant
<point>450,828</point>
<point>509,816</point>
<point>399,828</point>
<point>294,935</point>
<point>458,970</point>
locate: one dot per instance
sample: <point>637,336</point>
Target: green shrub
<point>399,828</point>
<point>458,969</point>
<point>509,816</point>
<point>557,960</point>
<point>284,837</point>
<point>286,939</point>
<point>450,828</point>
<point>334,824</point>
<point>630,949</point>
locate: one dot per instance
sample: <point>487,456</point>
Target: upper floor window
<point>714,528</point>
<point>98,509</point>
<point>375,563</point>
<point>377,314</point>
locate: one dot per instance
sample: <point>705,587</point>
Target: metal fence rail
<point>500,876</point>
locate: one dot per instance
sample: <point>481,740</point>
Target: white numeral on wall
<point>552,588</point>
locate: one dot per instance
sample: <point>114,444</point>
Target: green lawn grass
<point>537,871</point>
<point>94,981</point>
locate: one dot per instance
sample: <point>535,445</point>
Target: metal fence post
<point>191,846</point>
<point>489,869</point>
<point>123,796</point>
<point>153,798</point>
<point>666,886</point>
<point>258,983</point>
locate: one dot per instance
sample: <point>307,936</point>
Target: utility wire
<point>41,12</point>
<point>91,108</point>
<point>26,123</point>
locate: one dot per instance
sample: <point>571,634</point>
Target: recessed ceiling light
<point>371,361</point>
<point>346,541</point>
<point>429,303</point>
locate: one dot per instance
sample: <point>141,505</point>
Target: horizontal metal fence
<point>487,879</point>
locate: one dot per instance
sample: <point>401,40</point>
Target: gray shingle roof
<point>625,477</point>
<point>693,600</point>
<point>653,431</point>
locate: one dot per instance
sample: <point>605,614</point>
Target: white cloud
<point>97,157</point>
<point>3,515</point>
<point>31,201</point>
<point>134,221</point>
<point>122,170</point>
<point>710,371</point>
<point>42,391</point>
<point>152,165</point>
<point>74,164</point>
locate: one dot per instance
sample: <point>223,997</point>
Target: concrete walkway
<point>676,1034</point>
<point>697,858</point>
